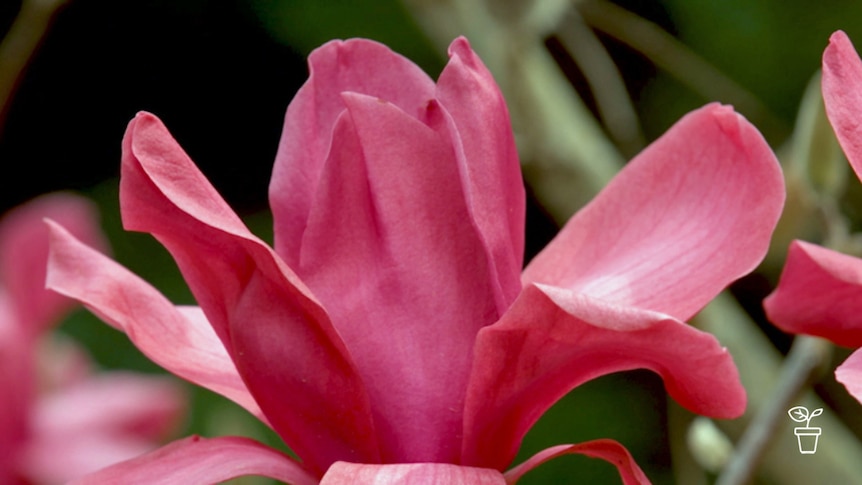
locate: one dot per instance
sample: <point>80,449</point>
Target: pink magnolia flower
<point>820,290</point>
<point>59,421</point>
<point>390,336</point>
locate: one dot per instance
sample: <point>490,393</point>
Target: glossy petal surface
<point>690,214</point>
<point>200,461</point>
<point>357,66</point>
<point>391,253</point>
<point>492,173</point>
<point>842,95</point>
<point>278,335</point>
<point>553,340</point>
<point>819,293</point>
<point>607,450</point>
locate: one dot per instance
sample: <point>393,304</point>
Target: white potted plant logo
<point>806,436</point>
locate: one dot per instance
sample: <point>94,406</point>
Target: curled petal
<point>359,66</point>
<point>842,95</point>
<point>608,450</point>
<point>849,373</point>
<point>553,340</point>
<point>393,255</point>
<point>202,461</point>
<point>282,341</point>
<point>178,339</point>
<point>819,293</point>
<point>690,214</point>
<point>24,253</point>
<point>342,473</point>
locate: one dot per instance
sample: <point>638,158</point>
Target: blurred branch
<point>807,359</point>
<point>815,172</point>
<point>20,45</point>
<point>759,365</point>
<point>606,83</point>
<point>678,60</point>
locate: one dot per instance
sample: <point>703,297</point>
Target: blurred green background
<point>220,73</point>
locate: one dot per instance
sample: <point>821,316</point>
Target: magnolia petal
<point>97,422</point>
<point>608,450</point>
<point>392,253</point>
<point>342,473</point>
<point>495,189</point>
<point>203,461</point>
<point>115,402</point>
<point>24,253</point>
<point>842,95</point>
<point>356,65</point>
<point>18,382</point>
<point>178,339</point>
<point>690,214</point>
<point>819,293</point>
<point>849,373</point>
<point>553,340</point>
<point>280,338</point>
<point>61,457</point>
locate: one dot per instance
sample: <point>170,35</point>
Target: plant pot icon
<point>807,438</point>
<point>807,435</point>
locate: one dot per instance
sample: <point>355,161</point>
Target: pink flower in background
<point>820,290</point>
<point>58,420</point>
<point>390,336</point>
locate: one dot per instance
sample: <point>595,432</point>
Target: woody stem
<point>806,358</point>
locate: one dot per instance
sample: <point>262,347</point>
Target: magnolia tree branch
<point>760,369</point>
<point>20,45</point>
<point>807,359</point>
<point>676,59</point>
<point>815,170</point>
<point>606,83</point>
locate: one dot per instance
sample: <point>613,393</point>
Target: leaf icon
<point>800,413</point>
<point>816,412</point>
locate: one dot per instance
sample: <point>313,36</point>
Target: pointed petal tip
<point>459,46</point>
<point>839,37</point>
<point>731,122</point>
<point>706,195</point>
<point>144,121</point>
<point>24,249</point>
<point>144,114</point>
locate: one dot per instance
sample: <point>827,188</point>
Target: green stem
<point>20,45</point>
<point>808,357</point>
